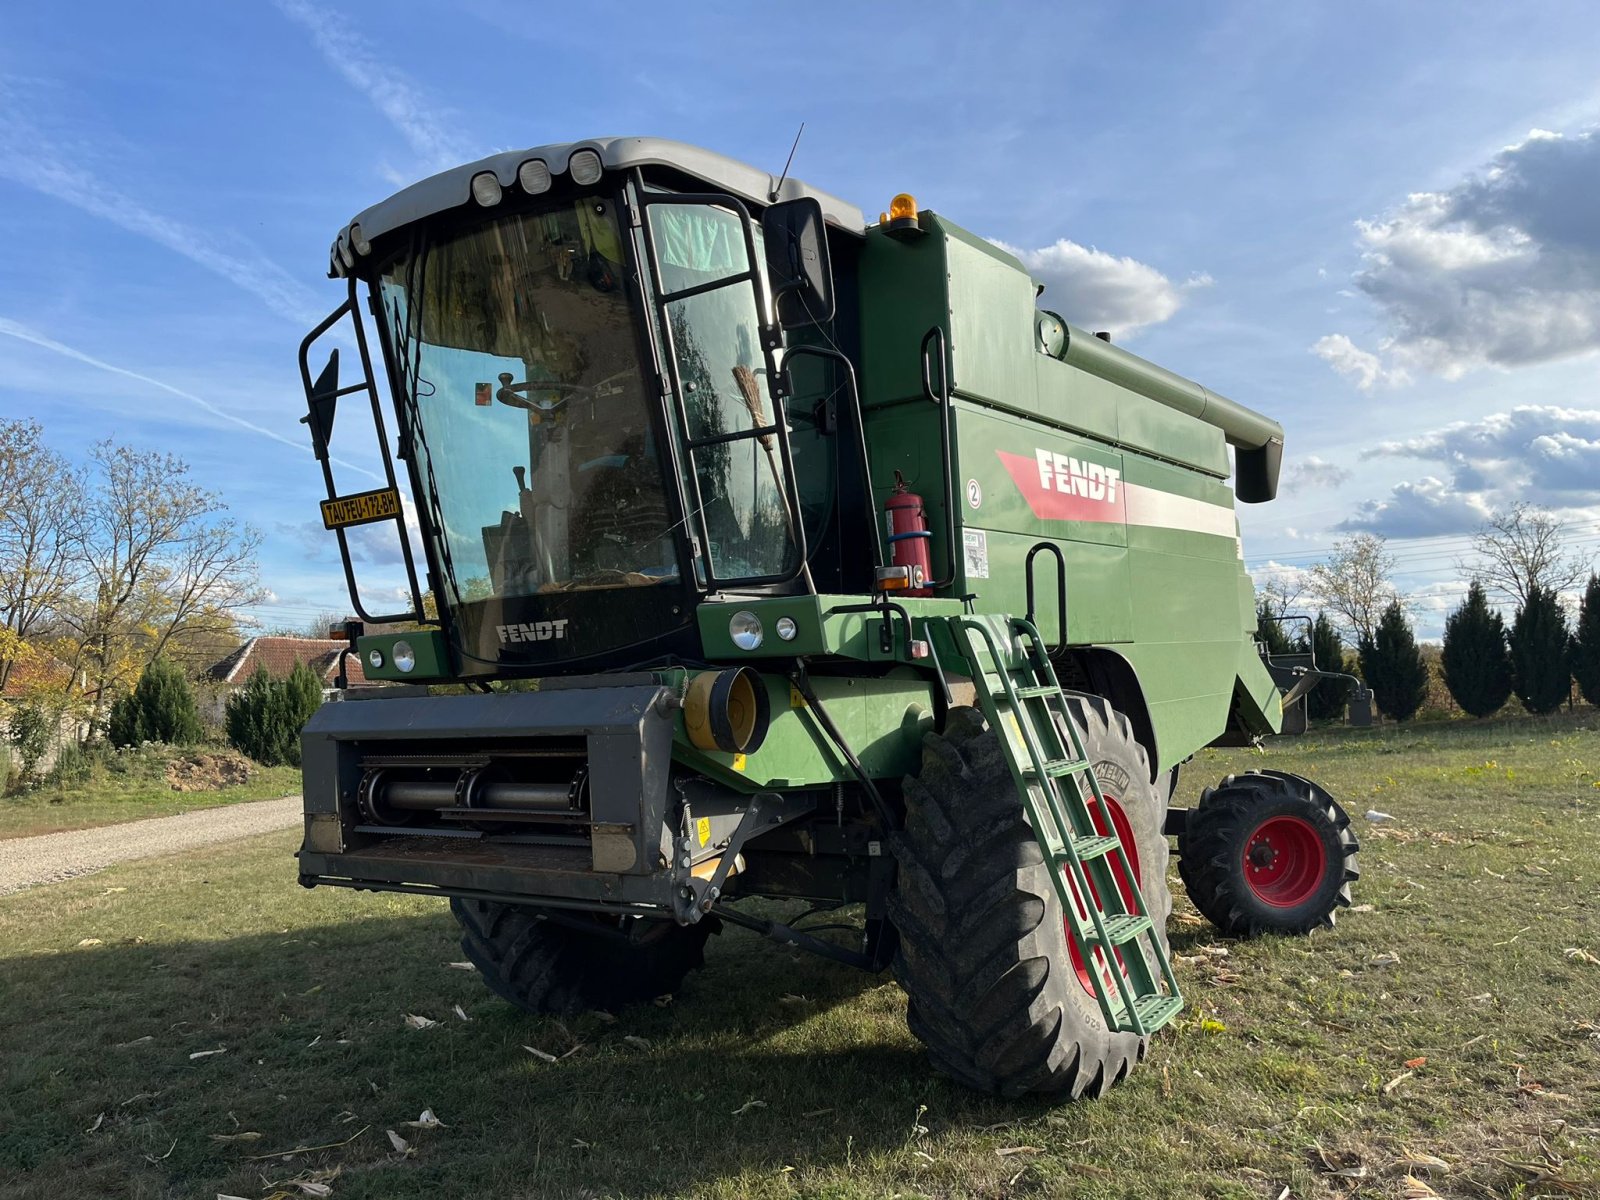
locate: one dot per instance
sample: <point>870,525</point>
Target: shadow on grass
<point>767,1060</point>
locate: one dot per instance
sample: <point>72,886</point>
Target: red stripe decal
<point>1060,488</point>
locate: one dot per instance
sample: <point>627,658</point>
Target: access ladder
<point>1022,700</point>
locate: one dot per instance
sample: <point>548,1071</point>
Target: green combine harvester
<point>848,575</point>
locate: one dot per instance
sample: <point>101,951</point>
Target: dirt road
<point>52,857</point>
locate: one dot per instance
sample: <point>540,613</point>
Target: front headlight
<point>785,628</point>
<point>405,658</point>
<point>375,658</point>
<point>744,628</point>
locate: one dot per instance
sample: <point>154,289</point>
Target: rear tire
<point>984,956</point>
<point>1268,852</point>
<point>545,967</point>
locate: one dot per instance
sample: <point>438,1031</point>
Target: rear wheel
<point>551,964</point>
<point>1268,852</point>
<point>996,990</point>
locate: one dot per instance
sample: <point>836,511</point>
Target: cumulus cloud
<point>1544,454</point>
<point>1312,471</point>
<point>1364,367</point>
<point>1103,291</point>
<point>1503,269</point>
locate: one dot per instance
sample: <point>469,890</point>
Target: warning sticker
<point>977,546</point>
<point>702,830</point>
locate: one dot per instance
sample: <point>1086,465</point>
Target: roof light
<point>405,658</point>
<point>902,206</point>
<point>534,176</point>
<point>359,241</point>
<point>345,256</point>
<point>585,167</point>
<point>744,628</point>
<point>486,189</point>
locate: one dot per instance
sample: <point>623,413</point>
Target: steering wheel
<point>507,394</point>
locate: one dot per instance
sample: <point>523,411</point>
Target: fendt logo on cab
<point>538,631</point>
<point>1077,477</point>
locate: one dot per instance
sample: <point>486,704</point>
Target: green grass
<point>776,1075</point>
<point>126,786</point>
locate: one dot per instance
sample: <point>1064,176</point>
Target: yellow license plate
<point>361,508</point>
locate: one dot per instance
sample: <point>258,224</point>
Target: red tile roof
<point>37,672</point>
<point>279,656</point>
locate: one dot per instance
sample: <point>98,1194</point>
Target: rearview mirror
<point>797,262</point>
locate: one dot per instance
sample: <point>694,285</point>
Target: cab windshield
<point>517,345</point>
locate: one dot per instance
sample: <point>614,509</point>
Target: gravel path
<point>52,857</point>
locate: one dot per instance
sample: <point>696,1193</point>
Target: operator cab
<point>595,402</point>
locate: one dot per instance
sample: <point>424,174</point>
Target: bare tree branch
<point>1521,548</point>
<point>1353,584</point>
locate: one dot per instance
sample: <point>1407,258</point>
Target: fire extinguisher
<point>909,538</point>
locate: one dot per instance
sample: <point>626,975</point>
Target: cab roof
<point>453,188</point>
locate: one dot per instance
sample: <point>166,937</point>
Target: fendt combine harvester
<point>848,575</point>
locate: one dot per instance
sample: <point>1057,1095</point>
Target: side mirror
<point>320,402</point>
<point>797,262</point>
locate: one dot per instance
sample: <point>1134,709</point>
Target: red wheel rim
<point>1118,822</point>
<point>1284,863</point>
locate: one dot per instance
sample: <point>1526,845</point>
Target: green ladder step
<point>1155,1011</point>
<point>1029,693</point>
<point>1122,929</point>
<point>1055,768</point>
<point>1091,847</point>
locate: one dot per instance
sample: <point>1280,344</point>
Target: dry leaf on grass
<point>815,1112</point>
<point>1396,1081</point>
<point>136,1042</point>
<point>541,1055</point>
<point>398,1142</point>
<point>426,1121</point>
<point>225,1196</point>
<point>1421,1162</point>
<point>1577,954</point>
<point>248,1136</point>
<point>462,1013</point>
<point>663,1001</point>
<point>605,1018</point>
<point>460,966</point>
<point>207,1053</point>
<point>747,1106</point>
<point>1378,818</point>
<point>1008,1151</point>
<point>1387,959</point>
<point>1411,1064</point>
<point>98,1121</point>
<point>91,942</point>
<point>414,1021</point>
<point>1412,1188</point>
<point>638,1043</point>
<point>313,1187</point>
<point>1360,908</point>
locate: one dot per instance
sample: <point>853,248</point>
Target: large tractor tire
<point>549,966</point>
<point>996,990</point>
<point>1267,852</point>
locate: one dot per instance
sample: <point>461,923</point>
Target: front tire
<point>543,965</point>
<point>1268,852</point>
<point>995,990</point>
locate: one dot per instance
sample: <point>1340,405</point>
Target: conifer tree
<point>1326,701</point>
<point>161,708</point>
<point>1476,659</point>
<point>1270,632</point>
<point>1393,667</point>
<point>1586,643</point>
<point>1540,667</point>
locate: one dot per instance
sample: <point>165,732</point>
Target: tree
<point>161,708</point>
<point>162,565</point>
<point>1270,631</point>
<point>41,528</point>
<point>259,722</point>
<point>1353,584</point>
<point>1392,665</point>
<point>1585,650</point>
<point>1539,663</point>
<point>305,697</point>
<point>1327,699</point>
<point>1476,659</point>
<point>1522,548</point>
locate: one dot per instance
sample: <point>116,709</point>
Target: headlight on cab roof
<point>405,658</point>
<point>744,627</point>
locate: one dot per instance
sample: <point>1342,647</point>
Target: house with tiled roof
<point>279,655</point>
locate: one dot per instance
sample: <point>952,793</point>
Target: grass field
<point>777,1075</point>
<point>130,786</point>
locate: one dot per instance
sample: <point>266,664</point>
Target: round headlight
<point>359,240</point>
<point>585,167</point>
<point>375,658</point>
<point>786,628</point>
<point>486,189</point>
<point>534,176</point>
<point>405,657</point>
<point>745,630</point>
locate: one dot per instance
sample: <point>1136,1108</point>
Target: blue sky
<point>1376,222</point>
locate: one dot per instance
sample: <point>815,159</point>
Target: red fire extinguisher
<point>909,539</point>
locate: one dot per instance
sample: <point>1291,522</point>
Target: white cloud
<point>1366,368</point>
<point>1313,471</point>
<point>1539,452</point>
<point>400,103</point>
<point>1427,508</point>
<point>28,158</point>
<point>1101,291</point>
<point>1503,269</point>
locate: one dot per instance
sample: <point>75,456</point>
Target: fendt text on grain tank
<point>848,576</point>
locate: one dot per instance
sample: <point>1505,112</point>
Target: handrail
<point>1061,590</point>
<point>941,397</point>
